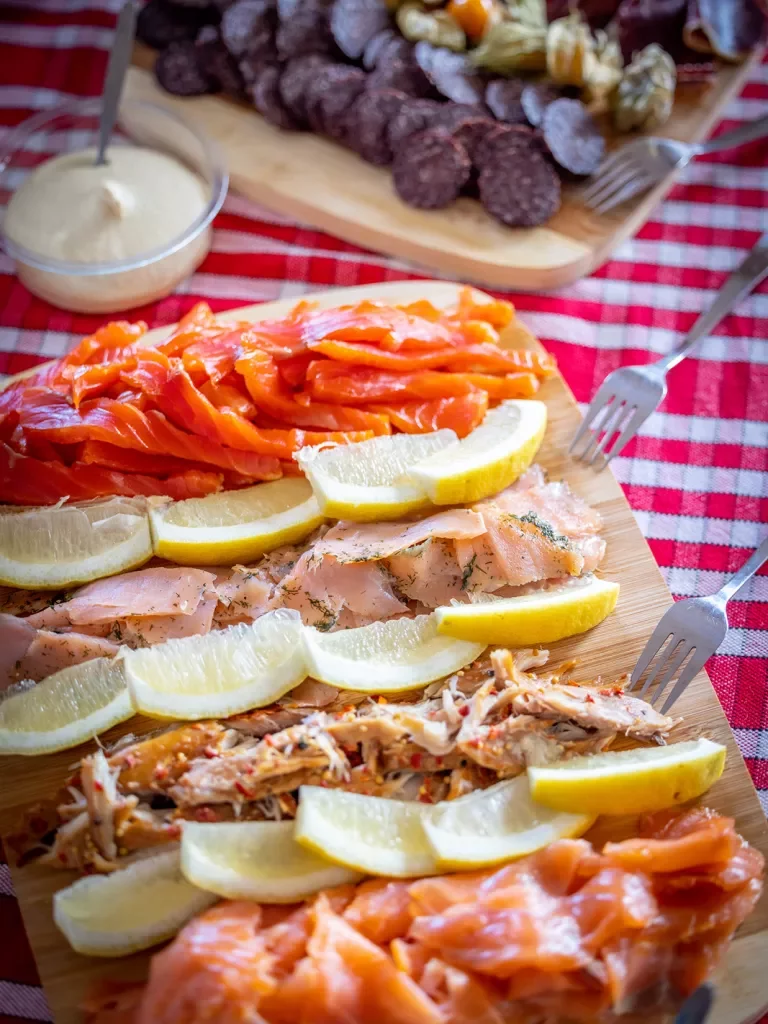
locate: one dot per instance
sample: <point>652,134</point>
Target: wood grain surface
<point>317,182</point>
<point>610,649</point>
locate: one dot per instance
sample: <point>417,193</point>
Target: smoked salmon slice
<point>461,413</point>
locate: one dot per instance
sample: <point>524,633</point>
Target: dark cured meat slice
<point>160,23</point>
<point>639,23</point>
<point>451,74</point>
<point>178,70</point>
<point>535,99</point>
<point>247,28</point>
<point>218,63</point>
<point>368,123</point>
<point>727,28</point>
<point>404,76</point>
<point>287,8</point>
<point>503,141</point>
<point>572,136</point>
<point>451,115</point>
<point>335,102</point>
<point>303,33</point>
<point>324,80</point>
<point>503,98</point>
<point>354,23</point>
<point>431,170</point>
<point>265,95</point>
<point>377,46</point>
<point>520,192</point>
<point>295,81</point>
<point>413,117</point>
<point>472,133</point>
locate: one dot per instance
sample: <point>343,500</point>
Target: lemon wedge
<point>365,833</point>
<point>369,480</point>
<point>488,459</point>
<point>67,708</point>
<point>222,673</point>
<point>496,824</point>
<point>128,910</point>
<point>256,860</point>
<point>538,618</point>
<point>235,526</point>
<point>386,657</point>
<point>634,781</point>
<point>49,548</point>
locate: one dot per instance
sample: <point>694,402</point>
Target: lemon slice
<point>488,459</point>
<point>538,618</point>
<point>630,781</point>
<point>49,548</point>
<point>386,657</point>
<point>365,833</point>
<point>369,480</point>
<point>128,910</point>
<point>496,824</point>
<point>219,674</point>
<point>67,708</point>
<point>235,526</point>
<point>256,860</point>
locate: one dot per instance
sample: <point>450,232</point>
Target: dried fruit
<point>646,92</point>
<point>606,70</point>
<point>528,12</point>
<point>512,46</point>
<point>473,16</point>
<point>570,51</point>
<point>435,27</point>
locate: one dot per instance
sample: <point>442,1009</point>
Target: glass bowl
<point>111,287</point>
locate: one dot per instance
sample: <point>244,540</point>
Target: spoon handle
<point>119,58</point>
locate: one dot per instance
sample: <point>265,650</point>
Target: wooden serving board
<point>317,182</point>
<point>610,649</point>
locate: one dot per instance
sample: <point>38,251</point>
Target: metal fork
<point>639,165</point>
<point>629,395</point>
<point>697,1007</point>
<point>689,633</point>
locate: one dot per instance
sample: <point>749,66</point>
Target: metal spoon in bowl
<point>119,59</point>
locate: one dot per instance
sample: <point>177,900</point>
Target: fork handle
<point>746,572</point>
<point>741,282</point>
<point>748,132</point>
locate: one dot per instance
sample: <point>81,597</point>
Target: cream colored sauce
<point>71,210</point>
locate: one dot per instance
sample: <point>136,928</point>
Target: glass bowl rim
<point>20,135</point>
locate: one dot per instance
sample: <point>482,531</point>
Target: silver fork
<point>689,633</point>
<point>629,395</point>
<point>643,163</point>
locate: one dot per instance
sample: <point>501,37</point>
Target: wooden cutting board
<point>312,180</point>
<point>610,649</point>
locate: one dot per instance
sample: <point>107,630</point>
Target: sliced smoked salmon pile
<point>567,934</point>
<point>226,405</point>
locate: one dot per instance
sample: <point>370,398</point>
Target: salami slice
<point>368,123</point>
<point>265,95</point>
<point>520,189</point>
<point>403,75</point>
<point>430,171</point>
<point>247,28</point>
<point>354,23</point>
<point>535,99</point>
<point>572,136</point>
<point>298,74</point>
<point>303,33</point>
<point>178,70</point>
<point>335,102</point>
<point>503,97</point>
<point>377,46</point>
<point>325,80</point>
<point>451,74</point>
<point>413,117</point>
<point>159,23</point>
<point>472,133</point>
<point>218,63</point>
<point>502,142</point>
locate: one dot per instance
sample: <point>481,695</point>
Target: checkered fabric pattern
<point>697,478</point>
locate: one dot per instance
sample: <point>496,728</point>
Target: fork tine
<point>657,639</point>
<point>660,665</point>
<point>636,419</point>
<point>675,662</point>
<point>611,426</point>
<point>638,184</point>
<point>616,159</point>
<point>596,406</point>
<point>596,426</point>
<point>694,666</point>
<point>603,186</point>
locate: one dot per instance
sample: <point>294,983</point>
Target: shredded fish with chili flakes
<point>226,405</point>
<point>486,723</point>
<point>566,934</point>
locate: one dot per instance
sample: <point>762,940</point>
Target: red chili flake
<point>439,762</point>
<point>161,772</point>
<point>415,760</point>
<point>130,760</point>
<point>494,692</point>
<point>611,691</point>
<point>425,798</point>
<point>268,740</point>
<point>464,710</point>
<point>98,786</point>
<point>174,831</point>
<point>63,858</point>
<point>248,769</point>
<point>589,699</point>
<point>210,751</point>
<point>241,788</point>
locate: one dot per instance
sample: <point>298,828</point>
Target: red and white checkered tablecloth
<point>697,478</point>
